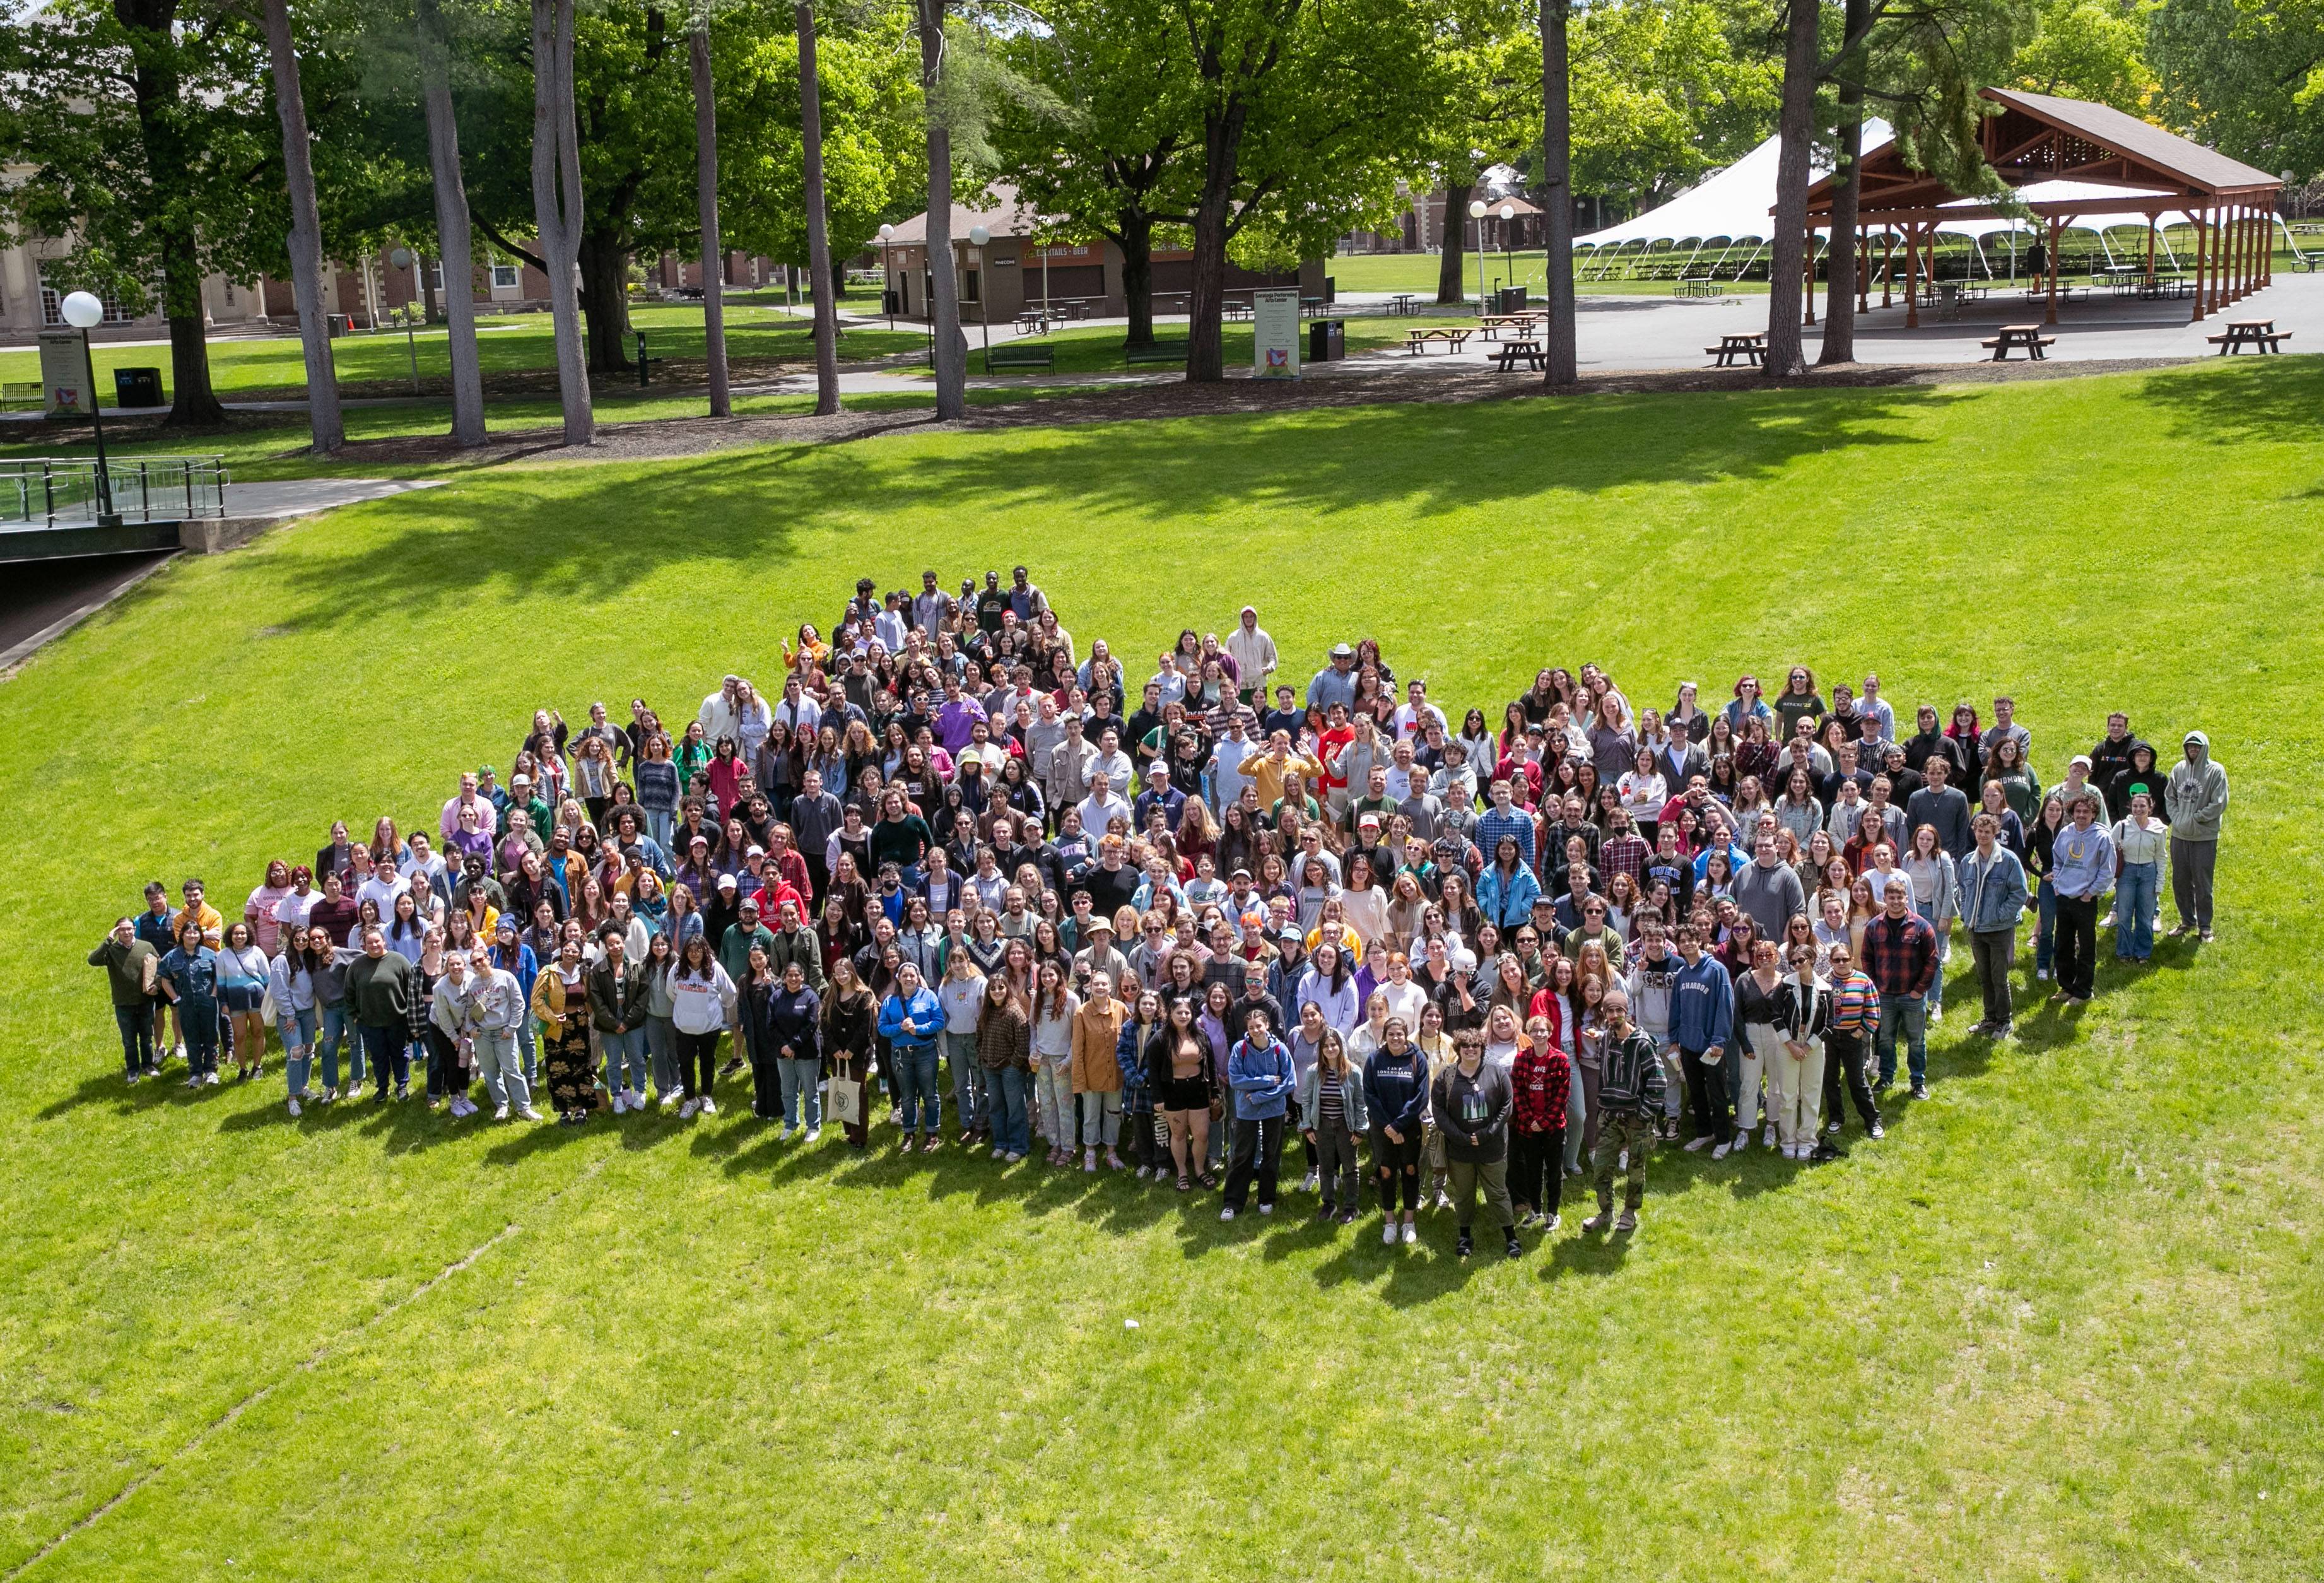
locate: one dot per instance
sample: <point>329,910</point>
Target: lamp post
<point>84,312</point>
<point>401,258</point>
<point>1509,213</point>
<point>978,236</point>
<point>888,268</point>
<point>1477,213</point>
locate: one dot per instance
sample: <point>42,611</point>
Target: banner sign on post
<point>1275,333</point>
<point>64,375</point>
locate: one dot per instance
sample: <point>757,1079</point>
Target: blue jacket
<point>1507,905</point>
<point>1703,1005</point>
<point>1262,1077</point>
<point>1992,894</point>
<point>1396,1091</point>
<point>911,1024</point>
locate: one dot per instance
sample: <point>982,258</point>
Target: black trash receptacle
<point>1512,299</point>
<point>1327,340</point>
<point>889,302</point>
<point>137,387</point>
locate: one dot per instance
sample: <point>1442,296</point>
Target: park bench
<point>2259,334</point>
<point>1159,352</point>
<point>21,396</point>
<point>1017,355</point>
<point>2025,337</point>
<point>1454,339</point>
<point>1734,348</point>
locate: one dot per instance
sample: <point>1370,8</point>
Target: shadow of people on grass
<point>113,1090</point>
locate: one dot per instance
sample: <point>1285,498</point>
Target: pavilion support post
<point>2267,249</point>
<point>1863,280</point>
<point>1887,266</point>
<point>2237,242</point>
<point>2150,252</point>
<point>1912,265</point>
<point>2202,238</point>
<point>1808,296</point>
<point>2050,309</point>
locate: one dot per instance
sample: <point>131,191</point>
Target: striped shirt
<point>1855,1005</point>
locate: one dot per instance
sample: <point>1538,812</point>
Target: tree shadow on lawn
<point>580,534</point>
<point>2238,400</point>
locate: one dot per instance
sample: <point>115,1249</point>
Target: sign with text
<point>1275,333</point>
<point>64,375</point>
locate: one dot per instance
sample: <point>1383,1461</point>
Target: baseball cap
<point>726,882</point>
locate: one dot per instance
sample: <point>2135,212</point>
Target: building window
<point>505,277</point>
<point>435,277</point>
<point>229,293</point>
<point>971,286</point>
<point>52,310</point>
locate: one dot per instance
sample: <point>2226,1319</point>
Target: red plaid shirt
<point>1624,854</point>
<point>1541,1079</point>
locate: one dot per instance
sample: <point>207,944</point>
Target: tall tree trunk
<point>1846,192</point>
<point>193,402</point>
<point>431,311</point>
<point>1561,353</point>
<point>306,239</point>
<point>606,302</point>
<point>1452,254</point>
<point>949,349</point>
<point>1222,151</point>
<point>705,201</point>
<point>1787,248</point>
<point>1136,243</point>
<point>453,242</point>
<point>818,234</point>
<point>557,204</point>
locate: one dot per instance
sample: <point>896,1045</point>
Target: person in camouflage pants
<point>1630,1101</point>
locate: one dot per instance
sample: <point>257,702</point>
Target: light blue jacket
<point>1262,1078</point>
<point>1992,890</point>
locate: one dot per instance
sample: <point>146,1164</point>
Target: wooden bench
<point>1159,352</point>
<point>1746,349</point>
<point>1523,349</point>
<point>1492,324</point>
<point>1454,340</point>
<point>2259,334</point>
<point>1017,355</point>
<point>2025,337</point>
<point>22,396</point>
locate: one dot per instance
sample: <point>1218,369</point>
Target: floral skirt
<point>568,1067</point>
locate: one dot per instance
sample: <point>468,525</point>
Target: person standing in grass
<point>189,976</point>
<point>2084,852</point>
<point>1331,1110</point>
<point>1096,1074</point>
<point>1631,1092</point>
<point>1004,1050</point>
<point>133,973</point>
<point>2139,840</point>
<point>1848,1028</point>
<point>291,980</point>
<point>1803,1012</point>
<point>910,1017</point>
<point>560,1001</point>
<point>1150,1137</point>
<point>1472,1098</point>
<point>1055,1005</point>
<point>1261,1074</point>
<point>851,1018</point>
<point>380,986</point>
<point>1538,1081</point>
<point>494,1006</point>
<point>1900,954</point>
<point>792,1031</point>
<point>617,1011</point>
<point>961,993</point>
<point>1992,889</point>
<point>1396,1098</point>
<point>704,1003</point>
<point>1182,1067</point>
<point>2196,802</point>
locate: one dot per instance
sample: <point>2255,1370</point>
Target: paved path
<point>298,496</point>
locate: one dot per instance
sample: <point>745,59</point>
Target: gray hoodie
<point>2196,793</point>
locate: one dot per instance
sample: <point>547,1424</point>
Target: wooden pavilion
<point>2068,159</point>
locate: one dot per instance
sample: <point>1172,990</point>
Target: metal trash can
<point>1512,299</point>
<point>1327,340</point>
<point>137,387</point>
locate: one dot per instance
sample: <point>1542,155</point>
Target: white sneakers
<point>1411,1232</point>
<point>1266,1209</point>
<point>1387,1233</point>
<point>1696,1146</point>
<point>499,1113</point>
<point>709,1106</point>
<point>813,1133</point>
<point>997,1152</point>
<point>294,1105</point>
<point>529,1114</point>
<point>1767,1138</point>
<point>1309,1184</point>
<point>686,1111</point>
<point>668,1098</point>
<point>1227,1213</point>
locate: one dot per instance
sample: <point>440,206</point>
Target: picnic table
<point>1416,340</point>
<point>2259,334</point>
<point>1403,304</point>
<point>2026,337</point>
<point>1236,310</point>
<point>1033,321</point>
<point>1492,324</point>
<point>1522,349</point>
<point>1751,348</point>
<point>2166,286</point>
<point>1697,286</point>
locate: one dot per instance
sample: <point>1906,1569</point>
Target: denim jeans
<point>137,1025</point>
<point>1577,1113</point>
<point>1944,955</point>
<point>1004,1110</point>
<point>387,1050</point>
<point>2045,926</point>
<point>298,1030</point>
<point>1053,1096</point>
<point>497,1064</point>
<point>662,1049</point>
<point>799,1080</point>
<point>336,1027</point>
<point>200,1022</point>
<point>912,1069</point>
<point>657,826</point>
<point>1908,1015</point>
<point>967,1076</point>
<point>617,1048</point>
<point>1101,1119</point>
<point>2135,893</point>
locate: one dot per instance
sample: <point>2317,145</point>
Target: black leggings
<point>696,1052</point>
<point>1395,1165</point>
<point>1537,1168</point>
<point>1706,1092</point>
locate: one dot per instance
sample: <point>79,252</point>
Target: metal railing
<point>46,491</point>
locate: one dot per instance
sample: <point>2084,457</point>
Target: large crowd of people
<point>956,861</point>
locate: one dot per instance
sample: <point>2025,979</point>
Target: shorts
<point>240,997</point>
<point>1183,1093</point>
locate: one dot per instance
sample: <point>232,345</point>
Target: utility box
<point>1327,340</point>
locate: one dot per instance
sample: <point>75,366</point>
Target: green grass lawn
<point>506,345</point>
<point>2060,1325</point>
